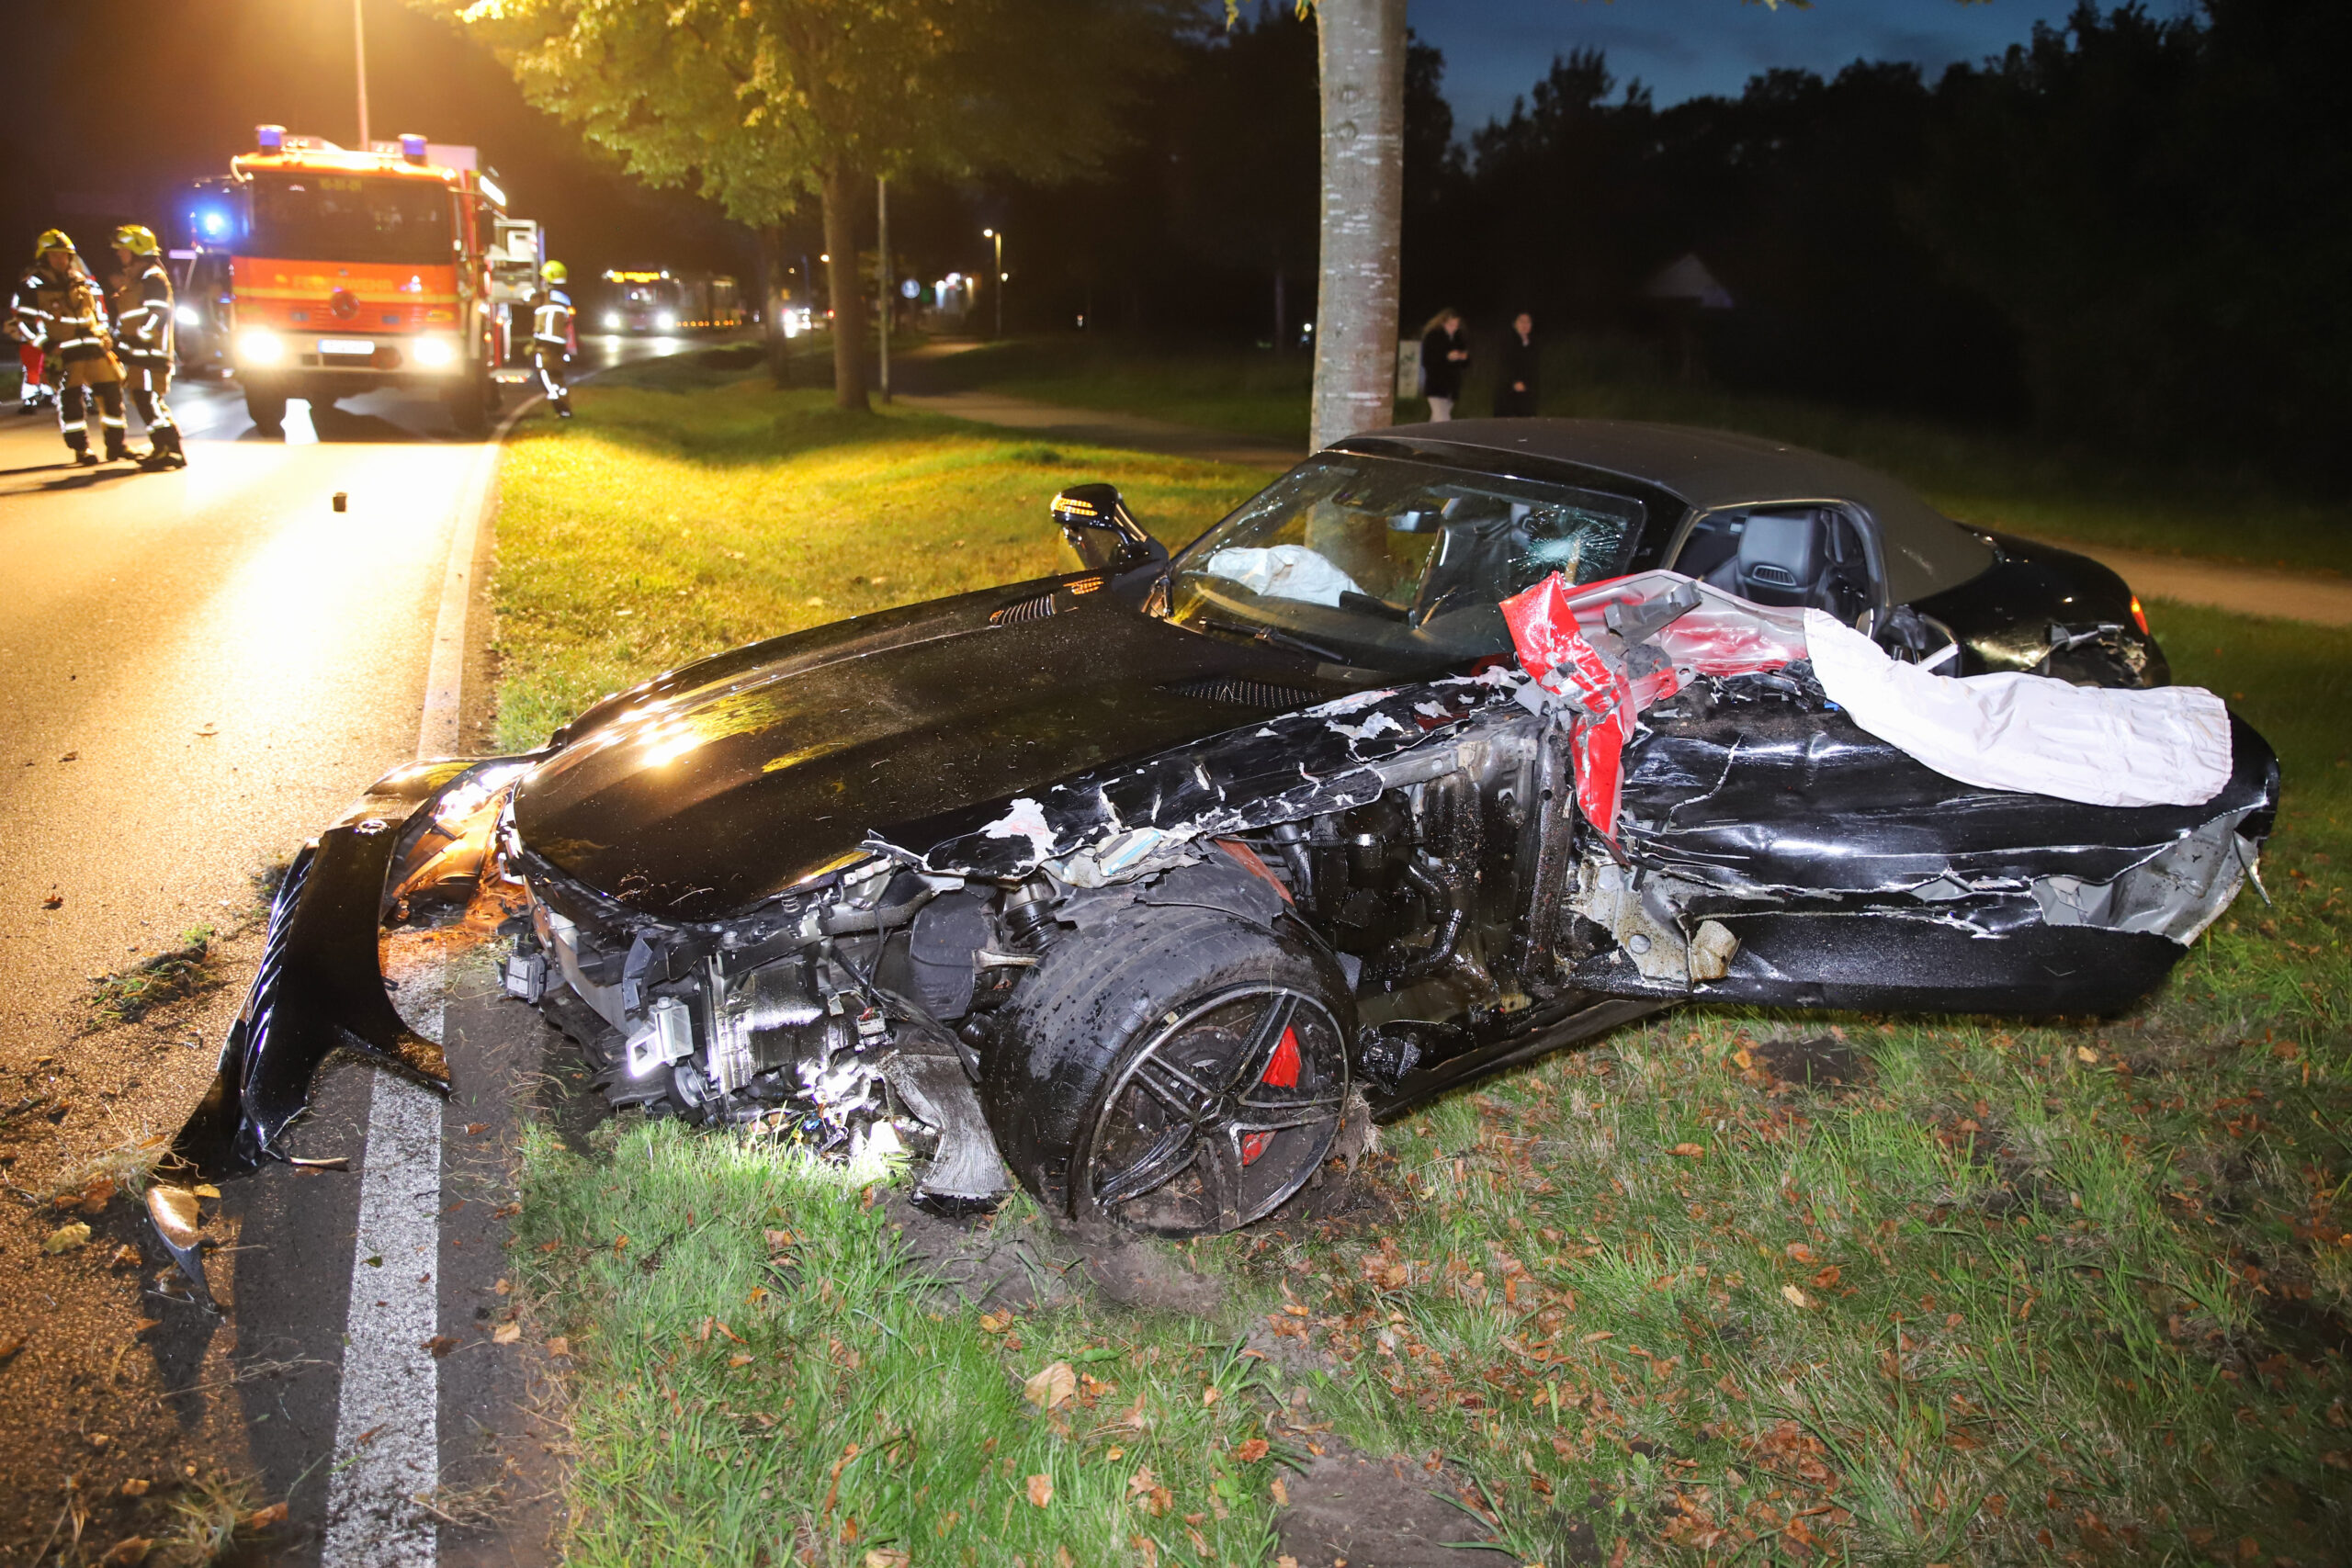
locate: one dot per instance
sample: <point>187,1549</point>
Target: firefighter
<point>142,321</point>
<point>23,328</point>
<point>551,338</point>
<point>71,316</point>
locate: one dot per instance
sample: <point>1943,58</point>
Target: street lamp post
<point>998,236</point>
<point>359,60</point>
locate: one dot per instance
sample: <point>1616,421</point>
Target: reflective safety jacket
<point>24,312</point>
<point>551,319</point>
<point>143,312</point>
<point>67,313</point>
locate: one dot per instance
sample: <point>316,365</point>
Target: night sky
<point>1683,48</point>
<point>103,130</point>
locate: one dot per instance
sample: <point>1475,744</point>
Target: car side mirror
<point>1101,531</point>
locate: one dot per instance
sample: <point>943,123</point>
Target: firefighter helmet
<point>138,239</point>
<point>554,271</point>
<point>54,240</point>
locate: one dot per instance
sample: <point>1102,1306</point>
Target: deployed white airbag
<point>1282,571</point>
<point>2167,745</point>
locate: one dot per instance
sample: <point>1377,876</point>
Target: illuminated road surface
<point>198,671</point>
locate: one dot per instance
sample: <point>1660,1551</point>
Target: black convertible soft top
<point>1925,551</point>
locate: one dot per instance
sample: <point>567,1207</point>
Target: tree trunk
<point>1362,50</point>
<point>772,304</point>
<point>839,195</point>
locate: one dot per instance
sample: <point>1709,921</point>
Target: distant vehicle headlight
<point>185,316</point>
<point>668,320</point>
<point>259,346</point>
<point>612,320</point>
<point>435,353</point>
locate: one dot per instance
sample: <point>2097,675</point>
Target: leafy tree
<point>760,104</point>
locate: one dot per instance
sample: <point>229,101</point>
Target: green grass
<point>1989,479</point>
<point>2063,1289</point>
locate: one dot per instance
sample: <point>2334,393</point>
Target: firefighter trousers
<point>73,400</point>
<point>147,382</point>
<point>548,359</point>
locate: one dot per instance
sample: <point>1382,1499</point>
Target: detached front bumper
<point>321,984</point>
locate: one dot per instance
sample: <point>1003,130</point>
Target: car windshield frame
<point>377,219</point>
<point>1425,551</point>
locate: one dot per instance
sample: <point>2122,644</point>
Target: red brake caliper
<point>1281,1072</point>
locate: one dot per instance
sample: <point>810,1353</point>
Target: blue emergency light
<point>412,147</point>
<point>270,138</point>
<point>212,222</point>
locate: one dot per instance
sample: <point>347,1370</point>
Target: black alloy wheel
<point>1175,1069</point>
<point>1219,1115</point>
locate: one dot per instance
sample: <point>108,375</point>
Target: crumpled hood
<point>732,780</point>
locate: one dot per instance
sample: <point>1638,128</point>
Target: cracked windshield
<point>1378,561</point>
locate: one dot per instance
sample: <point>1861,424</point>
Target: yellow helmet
<point>54,240</point>
<point>138,239</point>
<point>555,272</point>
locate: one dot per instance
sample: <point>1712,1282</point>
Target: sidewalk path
<point>2247,590</point>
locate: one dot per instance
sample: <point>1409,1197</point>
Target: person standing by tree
<point>1444,354</point>
<point>1515,385</point>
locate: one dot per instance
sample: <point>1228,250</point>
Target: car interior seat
<point>1809,558</point>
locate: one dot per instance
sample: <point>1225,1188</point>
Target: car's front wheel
<point>1176,1069</point>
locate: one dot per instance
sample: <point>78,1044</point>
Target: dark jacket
<point>1520,358</point>
<point>1441,377</point>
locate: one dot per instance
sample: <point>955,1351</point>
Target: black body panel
<point>740,777</point>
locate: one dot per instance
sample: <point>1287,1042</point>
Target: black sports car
<point>1140,879</point>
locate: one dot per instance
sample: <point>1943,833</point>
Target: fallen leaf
<point>1801,1252</point>
<point>205,1190</point>
<point>65,1238</point>
<point>54,901</point>
<point>990,1321</point>
<point>887,1557</point>
<point>1062,1558</point>
<point>504,1286</point>
<point>1041,1490</point>
<point>135,1487</point>
<point>99,1440</point>
<point>1209,1395</point>
<point>1279,1490</point>
<point>560,1346</point>
<point>738,1360</point>
<point>506,1334</point>
<point>9,1345</point>
<point>1252,1451</point>
<point>475,1129</point>
<point>440,1345</point>
<point>1827,1278</point>
<point>1596,1338</point>
<point>266,1519</point>
<point>2084,1054</point>
<point>1795,1297</point>
<point>127,1552</point>
<point>1051,1387</point>
<point>1687,1151</point>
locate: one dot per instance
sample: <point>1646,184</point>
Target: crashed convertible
<point>1454,746</point>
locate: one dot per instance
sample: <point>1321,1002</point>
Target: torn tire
<point>1174,1070</point>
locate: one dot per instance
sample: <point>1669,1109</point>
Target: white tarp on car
<point>2166,746</point>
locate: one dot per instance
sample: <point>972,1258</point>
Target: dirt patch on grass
<point>1817,1061</point>
<point>1388,1513</point>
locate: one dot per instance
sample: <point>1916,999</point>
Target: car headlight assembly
<point>435,353</point>
<point>259,346</point>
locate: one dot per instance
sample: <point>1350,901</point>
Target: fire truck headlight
<point>435,353</point>
<point>668,320</point>
<point>185,315</point>
<point>258,346</point>
<point>612,320</point>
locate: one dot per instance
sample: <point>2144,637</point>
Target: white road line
<point>387,1437</point>
<point>388,1428</point>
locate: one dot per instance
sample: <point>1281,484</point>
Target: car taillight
<point>2140,617</point>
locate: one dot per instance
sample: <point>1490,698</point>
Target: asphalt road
<point>197,670</point>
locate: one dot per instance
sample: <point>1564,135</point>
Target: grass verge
<point>1990,479</point>
<point>131,994</point>
<point>1735,1285</point>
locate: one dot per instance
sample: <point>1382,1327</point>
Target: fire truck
<point>645,300</point>
<point>330,273</point>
